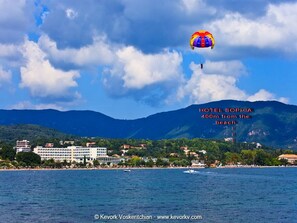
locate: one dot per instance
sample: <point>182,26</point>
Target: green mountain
<point>12,133</point>
<point>272,123</point>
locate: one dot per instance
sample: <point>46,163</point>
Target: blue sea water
<point>215,195</point>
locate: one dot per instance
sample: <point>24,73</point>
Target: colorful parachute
<point>202,39</point>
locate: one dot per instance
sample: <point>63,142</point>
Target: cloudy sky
<point>131,58</point>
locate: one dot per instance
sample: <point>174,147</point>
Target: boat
<point>127,170</point>
<point>190,171</point>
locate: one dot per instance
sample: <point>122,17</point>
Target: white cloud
<point>43,16</point>
<point>16,19</point>
<point>197,6</point>
<point>42,79</point>
<point>5,76</point>
<point>98,53</point>
<point>263,95</point>
<point>275,30</point>
<point>134,67</point>
<point>29,105</point>
<point>151,78</point>
<point>8,50</point>
<point>203,87</point>
<point>10,55</point>
<point>231,68</point>
<point>70,13</point>
<point>138,70</point>
<point>244,32</point>
<point>127,70</point>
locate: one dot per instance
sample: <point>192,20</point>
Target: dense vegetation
<point>28,159</point>
<point>162,153</point>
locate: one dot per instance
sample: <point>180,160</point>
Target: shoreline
<point>143,168</point>
<point>107,168</point>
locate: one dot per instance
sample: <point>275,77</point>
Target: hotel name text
<point>226,116</point>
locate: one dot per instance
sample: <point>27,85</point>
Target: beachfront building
<point>71,153</point>
<point>49,145</point>
<point>291,158</point>
<point>67,143</point>
<point>114,160</point>
<point>229,139</point>
<point>198,163</point>
<point>22,146</point>
<point>139,147</point>
<point>185,149</point>
<point>91,144</point>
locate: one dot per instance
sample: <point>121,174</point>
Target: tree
<point>96,163</point>
<point>85,161</point>
<point>136,161</point>
<point>232,158</point>
<point>162,162</point>
<point>150,163</point>
<point>210,159</point>
<point>49,163</point>
<point>248,156</point>
<point>284,162</point>
<point>65,163</point>
<point>181,162</point>
<point>7,153</point>
<point>28,158</point>
<point>262,158</point>
<point>58,164</point>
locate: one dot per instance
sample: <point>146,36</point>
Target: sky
<point>131,58</point>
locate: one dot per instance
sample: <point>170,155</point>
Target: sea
<point>149,195</point>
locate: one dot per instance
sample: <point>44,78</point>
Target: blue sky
<point>131,58</point>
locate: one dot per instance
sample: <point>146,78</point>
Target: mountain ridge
<point>272,123</point>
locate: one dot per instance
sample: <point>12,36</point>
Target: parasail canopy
<point>202,39</point>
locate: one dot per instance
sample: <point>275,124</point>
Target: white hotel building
<point>22,146</point>
<point>71,153</point>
